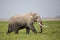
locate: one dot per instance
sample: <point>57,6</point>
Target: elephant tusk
<point>40,24</point>
<point>43,25</point>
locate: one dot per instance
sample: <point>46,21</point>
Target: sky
<point>45,8</point>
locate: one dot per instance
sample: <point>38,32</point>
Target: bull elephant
<point>17,23</point>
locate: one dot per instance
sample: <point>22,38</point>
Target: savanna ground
<point>52,32</point>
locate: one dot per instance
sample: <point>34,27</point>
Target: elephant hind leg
<point>16,31</point>
<point>9,29</point>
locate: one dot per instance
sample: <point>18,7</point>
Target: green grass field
<point>52,32</point>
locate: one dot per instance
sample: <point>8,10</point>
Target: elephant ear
<point>35,16</point>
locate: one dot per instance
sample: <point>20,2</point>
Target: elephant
<point>19,22</point>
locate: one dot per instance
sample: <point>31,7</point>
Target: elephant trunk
<point>41,24</point>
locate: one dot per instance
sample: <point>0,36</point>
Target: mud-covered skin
<point>17,23</point>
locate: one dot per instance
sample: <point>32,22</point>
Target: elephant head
<point>37,18</point>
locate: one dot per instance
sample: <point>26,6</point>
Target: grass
<point>52,32</point>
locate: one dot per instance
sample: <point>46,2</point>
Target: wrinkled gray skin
<point>17,23</point>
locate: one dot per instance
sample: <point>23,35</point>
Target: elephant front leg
<point>16,29</point>
<point>32,28</point>
<point>27,30</point>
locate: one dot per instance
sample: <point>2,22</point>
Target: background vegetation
<point>52,32</point>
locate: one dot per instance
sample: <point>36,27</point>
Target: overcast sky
<point>45,8</point>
